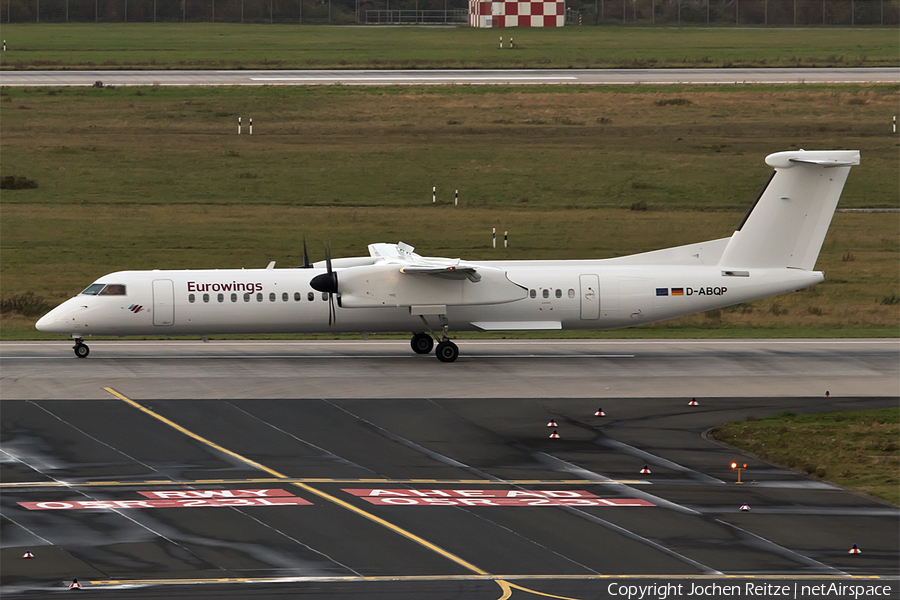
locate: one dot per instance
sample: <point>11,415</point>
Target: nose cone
<point>55,321</point>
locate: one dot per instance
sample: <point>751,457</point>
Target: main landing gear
<point>81,349</point>
<point>422,343</point>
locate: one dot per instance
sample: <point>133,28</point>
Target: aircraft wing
<point>401,278</point>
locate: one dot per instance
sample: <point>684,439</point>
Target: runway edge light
<point>855,550</point>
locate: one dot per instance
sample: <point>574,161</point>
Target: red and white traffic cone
<point>28,554</point>
<point>693,402</point>
<point>854,550</point>
<point>554,435</point>
<point>552,423</point>
<point>745,507</point>
<point>645,470</point>
<point>599,413</point>
<point>74,585</point>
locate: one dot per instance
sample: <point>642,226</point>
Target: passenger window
<point>259,297</point>
<point>324,295</point>
<point>533,294</point>
<point>191,298</point>
<point>221,297</point>
<point>297,296</point>
<point>271,296</point>
<point>113,289</point>
<point>571,293</point>
<point>206,297</point>
<point>546,293</point>
<point>246,297</point>
<point>559,293</point>
<point>93,289</point>
<point>284,297</point>
<point>234,297</point>
<point>310,296</point>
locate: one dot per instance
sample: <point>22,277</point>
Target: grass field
<point>858,449</point>
<point>135,178</point>
<point>219,45</point>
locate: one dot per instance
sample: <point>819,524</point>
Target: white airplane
<point>773,251</point>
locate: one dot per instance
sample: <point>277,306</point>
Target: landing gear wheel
<point>447,351</point>
<point>81,349</point>
<point>422,343</point>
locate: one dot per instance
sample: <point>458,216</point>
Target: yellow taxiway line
<point>305,487</point>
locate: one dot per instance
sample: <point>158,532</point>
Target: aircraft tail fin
<point>787,225</point>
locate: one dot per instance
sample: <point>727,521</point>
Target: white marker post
<point>510,43</point>
<point>494,236</point>
<point>505,233</point>
<point>894,126</point>
<point>501,42</point>
<point>434,194</point>
<point>4,45</point>
<point>251,125</point>
<point>456,199</point>
<point>239,126</point>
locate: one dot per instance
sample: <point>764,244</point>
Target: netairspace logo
<point>755,589</point>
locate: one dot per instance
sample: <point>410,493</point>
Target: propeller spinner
<point>327,283</point>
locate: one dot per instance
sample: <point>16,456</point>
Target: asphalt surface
<point>481,502</point>
<point>456,76</point>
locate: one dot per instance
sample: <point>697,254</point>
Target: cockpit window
<point>93,289</point>
<point>113,289</point>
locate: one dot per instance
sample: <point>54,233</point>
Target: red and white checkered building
<point>512,13</point>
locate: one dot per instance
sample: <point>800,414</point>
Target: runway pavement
<point>399,481</point>
<point>456,76</point>
<point>486,368</point>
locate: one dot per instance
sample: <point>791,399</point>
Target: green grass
<point>856,449</point>
<point>142,178</point>
<point>220,45</point>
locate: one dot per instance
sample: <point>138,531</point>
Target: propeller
<point>327,283</point>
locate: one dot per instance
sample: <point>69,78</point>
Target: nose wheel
<point>81,349</point>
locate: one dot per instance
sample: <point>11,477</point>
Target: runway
<point>381,368</point>
<point>401,481</point>
<point>456,77</point>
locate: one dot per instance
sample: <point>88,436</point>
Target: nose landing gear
<point>81,349</point>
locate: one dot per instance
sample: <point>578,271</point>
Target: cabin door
<point>590,297</point>
<point>163,302</point>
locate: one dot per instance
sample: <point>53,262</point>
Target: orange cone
<point>693,402</point>
<point>599,413</point>
<point>28,554</point>
<point>554,435</point>
<point>552,423</point>
<point>74,585</point>
<point>645,470</point>
<point>854,550</point>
